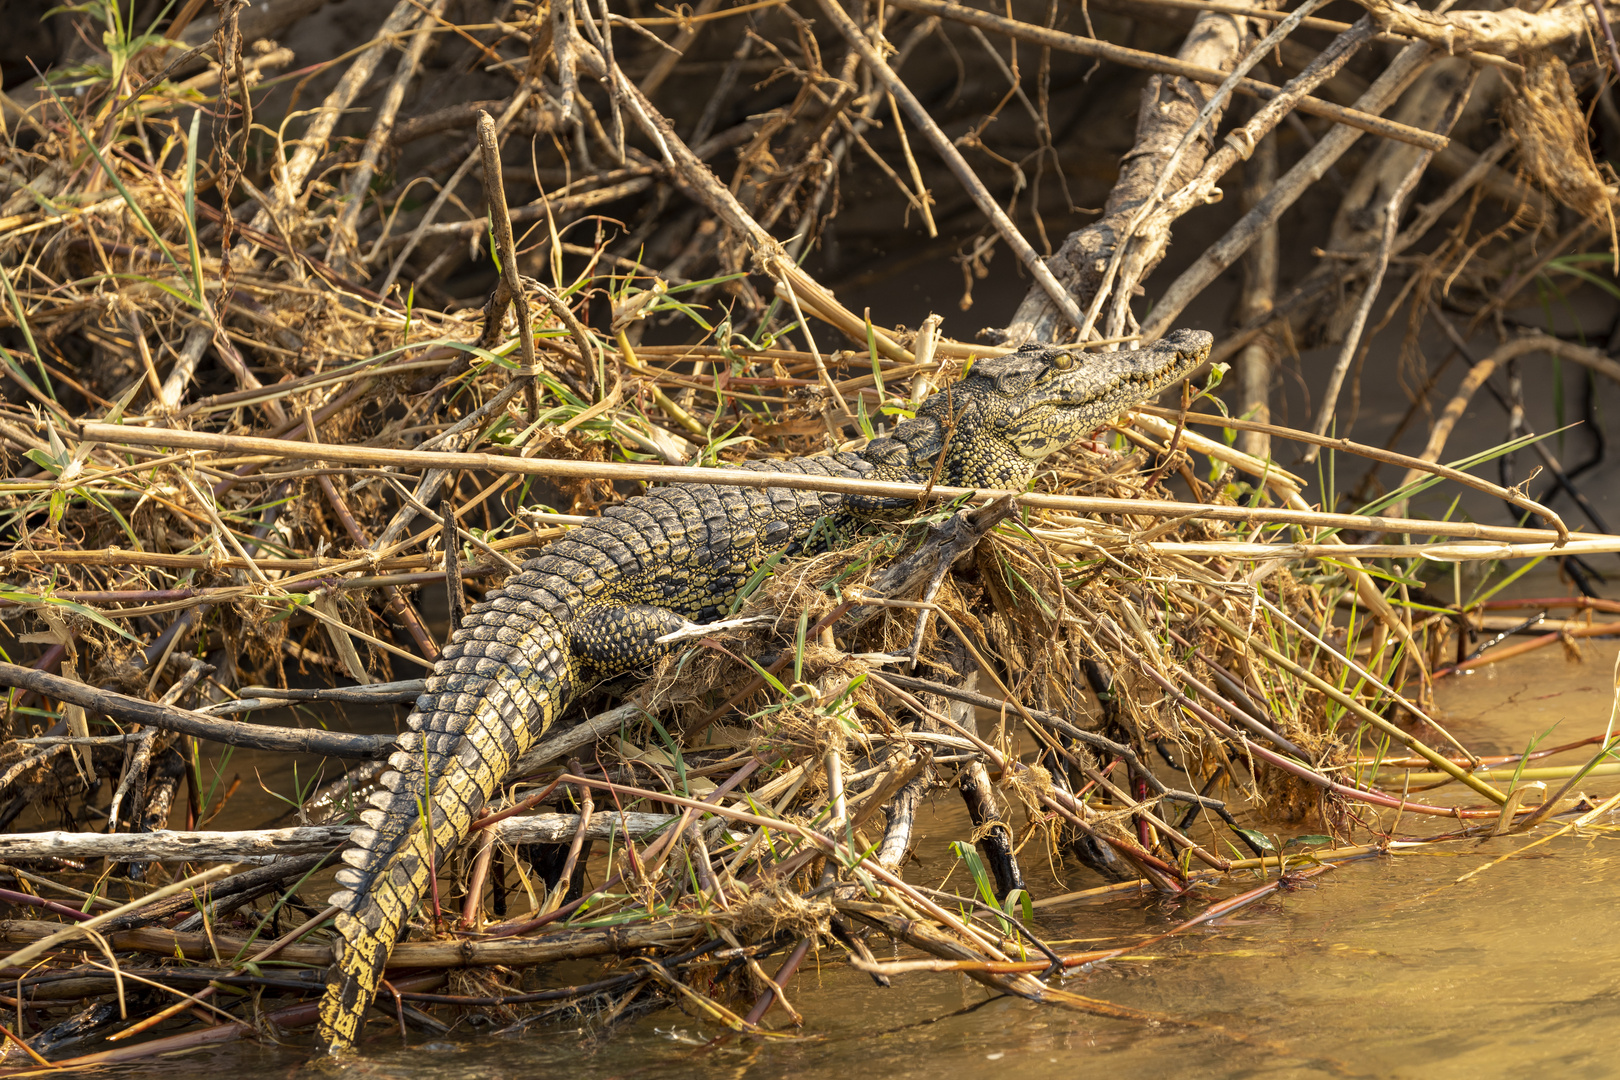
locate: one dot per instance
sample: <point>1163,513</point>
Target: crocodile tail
<point>492,695</point>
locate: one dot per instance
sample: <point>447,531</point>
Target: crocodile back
<point>691,547</point>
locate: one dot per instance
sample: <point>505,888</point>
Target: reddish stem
<point>780,981</point>
<point>1579,603</point>
<point>11,896</point>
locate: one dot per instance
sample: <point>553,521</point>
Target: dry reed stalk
<point>106,433</point>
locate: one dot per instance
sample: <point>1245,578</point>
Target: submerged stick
<point>1508,652</point>
<point>58,933</point>
<point>203,947</point>
<point>293,1016</point>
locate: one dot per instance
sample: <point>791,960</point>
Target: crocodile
<point>605,600</point>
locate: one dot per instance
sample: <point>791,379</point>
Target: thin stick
<point>263,844</point>
<point>513,107</point>
<point>923,201</point>
<point>46,944</point>
<point>314,612</point>
<point>1268,15</point>
<point>815,351</point>
<point>152,380</point>
<point>501,221</point>
<point>397,603</point>
<point>29,1050</point>
<point>301,1015</point>
<point>1361,711</point>
<point>601,470</point>
<point>1216,258</point>
<point>1139,241</point>
<point>377,139</point>
<point>167,718</point>
<point>575,846</point>
<point>689,27</point>
<point>473,906</point>
<point>1471,382</point>
<point>1375,453</point>
<point>455,535</point>
<point>1375,280</point>
<point>811,837</point>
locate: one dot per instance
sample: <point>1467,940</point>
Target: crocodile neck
<point>945,444</point>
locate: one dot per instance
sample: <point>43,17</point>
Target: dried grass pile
<point>377,326</point>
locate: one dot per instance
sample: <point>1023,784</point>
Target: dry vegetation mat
<point>301,349</point>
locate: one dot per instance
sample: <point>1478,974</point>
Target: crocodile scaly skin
<point>593,605</point>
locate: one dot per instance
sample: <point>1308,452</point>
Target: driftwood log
<point>176,846</point>
<point>572,945</point>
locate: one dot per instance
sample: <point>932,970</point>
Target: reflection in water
<point>1385,968</point>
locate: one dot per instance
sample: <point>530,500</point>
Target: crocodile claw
<point>696,630</point>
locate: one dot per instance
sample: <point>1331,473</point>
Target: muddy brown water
<point>1386,967</point>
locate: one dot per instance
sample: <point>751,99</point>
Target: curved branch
<point>1503,32</point>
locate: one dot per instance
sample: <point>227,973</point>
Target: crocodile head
<point>1011,411</point>
<point>1040,398</point>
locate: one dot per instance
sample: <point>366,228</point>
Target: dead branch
<point>167,718</point>
<point>1509,32</point>
<point>1169,108</point>
<point>1288,189</point>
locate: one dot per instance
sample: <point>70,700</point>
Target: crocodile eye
<point>1062,361</point>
